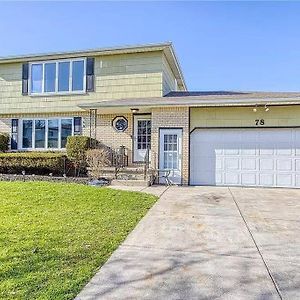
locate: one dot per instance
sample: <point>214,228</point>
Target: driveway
<point>208,243</point>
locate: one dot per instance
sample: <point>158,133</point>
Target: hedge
<point>39,163</point>
<point>4,141</point>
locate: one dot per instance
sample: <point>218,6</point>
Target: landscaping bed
<point>54,237</point>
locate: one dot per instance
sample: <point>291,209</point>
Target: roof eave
<point>88,52</point>
<point>225,103</point>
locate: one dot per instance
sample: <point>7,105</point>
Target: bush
<point>76,151</point>
<point>39,163</point>
<point>4,141</point>
<point>97,159</point>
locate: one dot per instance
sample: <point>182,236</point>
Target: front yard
<point>54,237</point>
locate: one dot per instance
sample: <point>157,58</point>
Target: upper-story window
<point>54,77</point>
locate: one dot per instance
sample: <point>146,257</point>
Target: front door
<point>170,153</point>
<point>142,136</point>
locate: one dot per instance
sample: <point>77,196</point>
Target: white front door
<point>142,136</point>
<point>170,153</point>
<point>268,157</point>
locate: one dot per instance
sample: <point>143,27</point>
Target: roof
<point>166,47</point>
<point>203,99</point>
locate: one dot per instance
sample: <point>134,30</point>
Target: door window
<point>143,134</point>
<point>170,151</point>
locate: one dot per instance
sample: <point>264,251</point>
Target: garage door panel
<point>248,179</point>
<point>231,178</point>
<point>284,152</point>
<point>285,180</point>
<point>266,180</point>
<point>248,163</point>
<point>248,150</point>
<point>229,151</point>
<point>266,164</point>
<point>219,164</point>
<point>297,165</point>
<point>247,157</point>
<point>231,163</point>
<point>266,150</point>
<point>284,165</point>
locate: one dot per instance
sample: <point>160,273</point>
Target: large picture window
<point>54,77</point>
<point>46,133</point>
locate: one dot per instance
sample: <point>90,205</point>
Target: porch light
<point>134,110</point>
<point>267,108</point>
<point>255,108</point>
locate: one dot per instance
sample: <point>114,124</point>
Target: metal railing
<point>146,163</point>
<point>119,158</point>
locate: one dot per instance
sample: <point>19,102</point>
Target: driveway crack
<point>256,246</point>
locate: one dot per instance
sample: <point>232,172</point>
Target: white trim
<point>20,135</point>
<point>136,154</point>
<point>57,92</point>
<point>175,174</point>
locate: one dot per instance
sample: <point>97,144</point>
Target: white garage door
<point>245,157</point>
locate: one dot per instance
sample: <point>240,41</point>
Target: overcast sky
<point>220,45</point>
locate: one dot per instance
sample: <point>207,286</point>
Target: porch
<point>148,143</point>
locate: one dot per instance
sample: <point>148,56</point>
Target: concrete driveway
<point>208,243</point>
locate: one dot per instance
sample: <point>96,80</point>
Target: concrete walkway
<point>208,243</point>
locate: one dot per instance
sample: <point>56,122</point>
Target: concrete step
<point>120,182</point>
<point>125,170</point>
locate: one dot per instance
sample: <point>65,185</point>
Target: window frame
<point>57,92</point>
<point>20,139</point>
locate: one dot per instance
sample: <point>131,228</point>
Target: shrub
<point>40,163</point>
<point>97,159</point>
<point>4,141</point>
<point>76,151</point>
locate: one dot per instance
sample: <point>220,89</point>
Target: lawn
<point>54,237</point>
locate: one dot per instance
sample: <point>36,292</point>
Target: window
<point>77,73</point>
<point>46,133</point>
<point>53,133</point>
<point>144,134</point>
<point>27,134</point>
<point>66,130</point>
<point>50,75</point>
<point>37,78</point>
<point>63,76</point>
<point>40,133</point>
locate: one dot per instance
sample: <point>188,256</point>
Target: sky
<point>244,46</point>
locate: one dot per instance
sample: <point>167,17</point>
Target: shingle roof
<point>202,93</point>
<point>203,99</point>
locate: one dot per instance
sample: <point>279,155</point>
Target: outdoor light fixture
<point>255,108</point>
<point>134,110</point>
<point>267,108</point>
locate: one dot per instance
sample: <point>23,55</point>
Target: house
<point>136,97</point>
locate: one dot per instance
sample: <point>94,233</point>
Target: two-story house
<point>136,97</point>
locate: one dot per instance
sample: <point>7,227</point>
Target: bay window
<point>46,133</point>
<point>54,77</point>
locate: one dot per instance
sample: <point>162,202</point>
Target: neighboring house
<point>136,97</point>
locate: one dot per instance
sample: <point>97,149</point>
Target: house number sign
<point>259,122</point>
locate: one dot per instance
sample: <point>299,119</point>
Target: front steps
<point>133,175</point>
<point>120,182</point>
<point>126,173</point>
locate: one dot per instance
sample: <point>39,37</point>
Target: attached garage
<point>245,157</point>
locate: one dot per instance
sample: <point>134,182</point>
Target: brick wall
<point>106,133</point>
<point>177,117</point>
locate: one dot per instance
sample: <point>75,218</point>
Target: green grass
<point>54,237</point>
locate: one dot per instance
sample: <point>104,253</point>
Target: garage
<point>267,157</point>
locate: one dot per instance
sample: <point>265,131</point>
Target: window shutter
<point>14,134</point>
<point>90,76</point>
<point>77,125</point>
<point>25,76</point>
